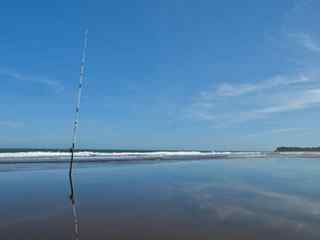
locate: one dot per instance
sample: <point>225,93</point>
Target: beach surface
<point>271,197</point>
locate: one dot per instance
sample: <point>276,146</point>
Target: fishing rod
<point>74,135</point>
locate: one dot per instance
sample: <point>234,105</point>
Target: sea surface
<point>245,195</point>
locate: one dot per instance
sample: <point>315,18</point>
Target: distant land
<point>297,149</point>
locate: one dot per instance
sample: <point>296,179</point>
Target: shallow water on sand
<point>271,198</point>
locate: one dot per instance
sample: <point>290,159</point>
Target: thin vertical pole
<point>74,136</point>
<point>76,121</point>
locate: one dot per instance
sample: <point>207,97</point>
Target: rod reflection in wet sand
<point>74,207</point>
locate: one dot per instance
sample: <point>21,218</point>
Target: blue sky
<point>161,74</point>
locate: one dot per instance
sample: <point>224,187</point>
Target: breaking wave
<point>25,156</point>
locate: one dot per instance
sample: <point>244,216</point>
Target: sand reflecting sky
<point>228,199</point>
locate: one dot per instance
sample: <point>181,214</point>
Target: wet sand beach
<point>272,198</point>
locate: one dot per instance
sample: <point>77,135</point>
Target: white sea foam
<point>102,154</point>
<point>122,155</point>
<point>35,156</point>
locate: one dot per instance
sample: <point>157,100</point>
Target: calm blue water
<point>270,198</point>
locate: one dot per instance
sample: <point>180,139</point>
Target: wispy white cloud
<point>298,101</point>
<point>56,86</point>
<point>233,90</point>
<point>298,41</point>
<point>223,105</point>
<point>278,131</point>
<point>307,41</point>
<point>306,99</point>
<point>11,124</point>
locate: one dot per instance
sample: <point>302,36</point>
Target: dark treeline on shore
<point>297,149</point>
